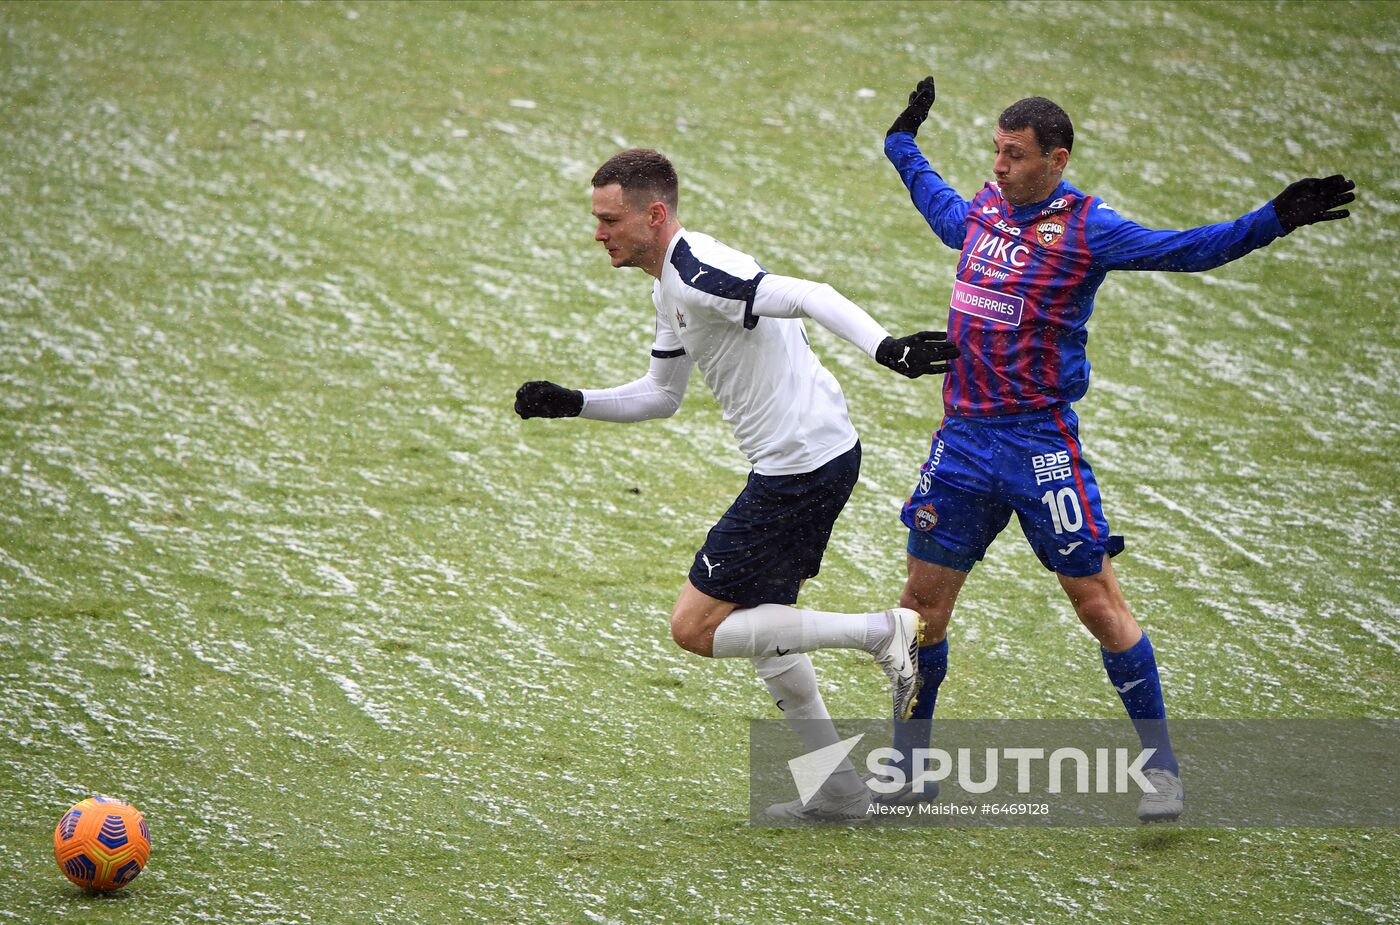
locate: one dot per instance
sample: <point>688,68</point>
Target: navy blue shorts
<point>982,470</point>
<point>774,534</point>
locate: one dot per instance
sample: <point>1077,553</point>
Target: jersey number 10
<point>1064,510</point>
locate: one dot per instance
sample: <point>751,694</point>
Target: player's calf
<point>1099,603</point>
<point>932,591</point>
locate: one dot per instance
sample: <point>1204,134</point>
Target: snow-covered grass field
<point>279,565</point>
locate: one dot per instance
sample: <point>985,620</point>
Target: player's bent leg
<point>719,629</point>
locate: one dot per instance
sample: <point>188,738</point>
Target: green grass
<point>278,564</point>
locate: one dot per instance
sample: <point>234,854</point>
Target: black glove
<point>920,101</point>
<point>918,354</point>
<point>541,399</point>
<point>1312,199</point>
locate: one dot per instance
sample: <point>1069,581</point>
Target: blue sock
<point>916,731</point>
<point>1133,674</point>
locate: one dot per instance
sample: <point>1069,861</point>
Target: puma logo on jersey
<point>698,275</point>
<point>904,357</point>
<point>1129,686</point>
<point>710,566</point>
<point>1070,548</point>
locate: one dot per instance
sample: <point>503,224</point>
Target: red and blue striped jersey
<point>1027,276</point>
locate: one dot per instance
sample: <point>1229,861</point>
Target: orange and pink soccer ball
<point>102,843</point>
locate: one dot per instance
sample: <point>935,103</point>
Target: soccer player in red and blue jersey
<point>1034,250</point>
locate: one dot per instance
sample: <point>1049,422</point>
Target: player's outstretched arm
<point>543,399</point>
<point>913,116</point>
<point>1314,199</point>
<point>658,394</point>
<point>913,356</point>
<point>1118,244</point>
<point>922,354</point>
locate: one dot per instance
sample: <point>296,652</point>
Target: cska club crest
<point>925,518</point>
<point>1049,231</point>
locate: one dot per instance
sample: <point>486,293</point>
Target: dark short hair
<point>641,171</point>
<point>1049,122</point>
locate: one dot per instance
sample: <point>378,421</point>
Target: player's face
<point>1024,173</point>
<point>623,229</point>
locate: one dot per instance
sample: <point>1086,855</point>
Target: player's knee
<point>689,634</point>
<point>1110,623</point>
<point>935,614</point>
<point>1095,602</point>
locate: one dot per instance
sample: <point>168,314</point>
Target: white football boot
<point>900,657</point>
<point>1166,804</point>
<point>824,809</point>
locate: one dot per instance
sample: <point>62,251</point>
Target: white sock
<point>776,629</point>
<point>793,685</point>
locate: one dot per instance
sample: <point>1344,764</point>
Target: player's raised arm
<point>913,116</point>
<point>939,204</point>
<point>920,354</point>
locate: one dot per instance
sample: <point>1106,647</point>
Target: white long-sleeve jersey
<point>716,307</point>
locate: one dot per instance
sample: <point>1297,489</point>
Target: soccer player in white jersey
<point>717,308</point>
